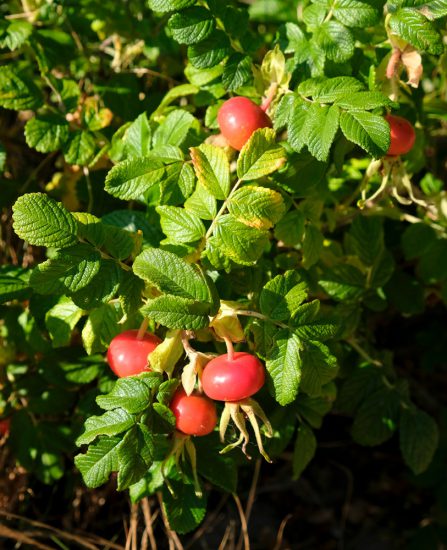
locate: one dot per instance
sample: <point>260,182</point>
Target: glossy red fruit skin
<point>5,425</point>
<point>402,135</point>
<point>195,414</point>
<point>225,380</point>
<point>238,118</point>
<point>127,355</point>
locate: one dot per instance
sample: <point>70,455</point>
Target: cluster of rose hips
<point>232,378</point>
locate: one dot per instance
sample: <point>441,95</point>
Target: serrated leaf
<point>79,148</point>
<point>137,139</point>
<point>179,225</point>
<point>304,450</point>
<point>42,221</point>
<point>166,390</point>
<point>255,206</point>
<point>219,469</point>
<point>363,101</point>
<point>98,462</point>
<point>101,326</point>
<point>242,244</point>
<point>376,419</point>
<point>176,312</point>
<point>313,409</point>
<point>202,203</point>
<point>312,245</point>
<point>411,25</point>
<point>343,282</point>
<point>70,270</point>
<point>419,437</point>
<point>328,90</point>
<point>191,25</point>
<point>290,229</point>
<point>171,274</point>
<point>335,40</point>
<point>46,132</point>
<point>185,510</point>
<point>318,368</point>
<point>237,71</point>
<point>110,423</point>
<point>174,128</point>
<point>14,33</point>
<point>281,297</point>
<point>131,178</point>
<point>319,129</point>
<point>130,394</point>
<point>366,238</point>
<point>90,228</point>
<point>13,288</point>
<point>60,321</point>
<point>102,288</point>
<point>119,243</point>
<point>209,52</point>
<point>135,455</point>
<point>212,169</point>
<point>260,156</point>
<point>368,130</point>
<point>17,91</point>
<point>130,293</point>
<point>135,222</point>
<point>354,13</point>
<point>169,5</point>
<point>177,184</point>
<point>361,383</point>
<point>434,9</point>
<point>284,366</point>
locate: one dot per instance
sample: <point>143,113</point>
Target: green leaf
<point>130,394</point>
<point>376,419</point>
<point>90,228</point>
<point>46,132</point>
<point>79,148</point>
<point>318,368</point>
<point>13,287</point>
<point>312,245</point>
<point>60,321</point>
<point>179,225</point>
<point>169,5</point>
<point>219,469</point>
<point>260,156</point>
<point>177,312</point>
<point>366,238</point>
<point>281,297</point>
<point>101,327</point>
<point>171,275</point>
<point>242,244</point>
<point>419,437</point>
<point>14,33</point>
<point>134,221</point>
<point>328,90</point>
<point>17,92</point>
<point>290,229</point>
<point>320,127</point>
<point>343,282</point>
<point>335,40</point>
<point>131,178</point>
<point>177,184</point>
<point>184,509</point>
<point>137,138</point>
<point>370,131</point>
<point>414,27</point>
<point>166,391</point>
<point>284,366</point>
<point>258,207</point>
<point>191,25</point>
<point>135,455</point>
<point>209,52</point>
<point>363,101</point>
<point>70,270</point>
<point>434,9</point>
<point>237,71</point>
<point>174,128</point>
<point>354,13</point>
<point>42,221</point>
<point>212,169</point>
<point>361,383</point>
<point>98,462</point>
<point>119,243</point>
<point>110,423</point>
<point>102,288</point>
<point>304,450</point>
<point>130,293</point>
<point>313,409</point>
<point>202,203</point>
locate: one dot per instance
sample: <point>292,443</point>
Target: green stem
<point>250,313</point>
<point>222,210</point>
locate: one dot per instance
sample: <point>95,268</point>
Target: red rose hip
<point>127,354</point>
<point>195,414</point>
<point>238,118</point>
<point>402,135</point>
<point>233,380</point>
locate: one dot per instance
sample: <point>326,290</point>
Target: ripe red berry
<point>226,380</point>
<point>127,355</point>
<point>238,118</point>
<point>195,414</point>
<point>402,135</point>
<point>5,425</point>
